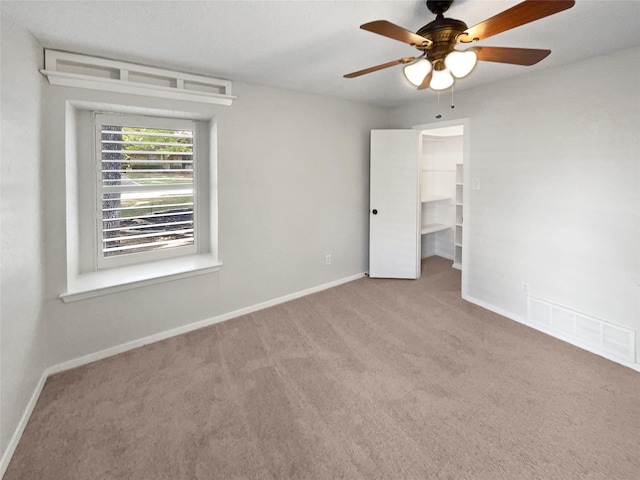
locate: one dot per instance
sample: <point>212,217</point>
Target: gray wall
<point>23,347</point>
<point>556,153</point>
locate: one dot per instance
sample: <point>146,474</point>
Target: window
<point>147,205</point>
<point>140,172</point>
<point>141,196</point>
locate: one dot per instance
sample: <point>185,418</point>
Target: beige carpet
<point>375,379</point>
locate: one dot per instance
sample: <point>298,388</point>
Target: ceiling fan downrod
<point>438,7</point>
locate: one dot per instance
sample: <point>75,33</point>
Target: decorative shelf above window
<point>83,71</point>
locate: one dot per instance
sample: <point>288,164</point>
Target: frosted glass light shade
<point>441,79</point>
<point>461,63</point>
<point>416,71</point>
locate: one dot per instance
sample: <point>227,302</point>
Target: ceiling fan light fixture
<point>416,72</point>
<point>441,79</point>
<point>460,63</point>
<point>439,63</point>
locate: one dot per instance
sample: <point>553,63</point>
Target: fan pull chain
<point>452,105</point>
<point>438,115</point>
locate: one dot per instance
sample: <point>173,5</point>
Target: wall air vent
<point>592,333</point>
<point>83,71</point>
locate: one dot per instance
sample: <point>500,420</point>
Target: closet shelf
<point>434,227</point>
<point>433,198</point>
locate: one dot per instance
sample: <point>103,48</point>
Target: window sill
<point>115,280</point>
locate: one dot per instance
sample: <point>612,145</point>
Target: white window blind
<point>146,188</point>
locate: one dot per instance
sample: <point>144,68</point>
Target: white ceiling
<point>308,45</point>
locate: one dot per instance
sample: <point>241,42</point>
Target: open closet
<point>441,188</point>
<point>417,189</point>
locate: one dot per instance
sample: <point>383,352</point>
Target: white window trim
<point>86,282</point>
<point>115,280</point>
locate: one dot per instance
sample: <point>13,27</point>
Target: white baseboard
<point>108,352</point>
<point>156,337</point>
<point>22,424</point>
<point>564,338</point>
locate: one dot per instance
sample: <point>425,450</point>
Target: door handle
<point>374,211</point>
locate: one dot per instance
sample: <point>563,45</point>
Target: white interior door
<point>394,205</point>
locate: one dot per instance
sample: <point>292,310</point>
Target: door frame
<point>466,187</point>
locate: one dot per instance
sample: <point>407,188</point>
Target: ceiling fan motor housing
<point>444,33</point>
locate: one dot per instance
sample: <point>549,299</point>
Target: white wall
<point>556,153</point>
<point>293,187</point>
<point>23,349</point>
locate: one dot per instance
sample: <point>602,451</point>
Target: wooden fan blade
<point>388,29</point>
<point>380,67</point>
<point>515,56</point>
<point>521,14</point>
<point>427,80</point>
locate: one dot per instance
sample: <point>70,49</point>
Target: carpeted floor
<point>374,379</point>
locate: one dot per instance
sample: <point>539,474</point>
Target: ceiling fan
<point>440,61</point>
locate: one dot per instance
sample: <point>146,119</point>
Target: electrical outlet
<point>475,184</point>
<point>524,288</point>
<point>327,259</point>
